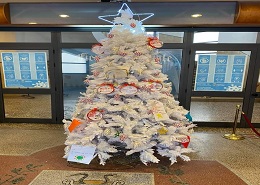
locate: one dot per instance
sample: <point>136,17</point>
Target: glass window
<point>225,37</point>
<point>27,106</point>
<point>171,65</point>
<point>256,111</point>
<point>221,70</point>
<point>29,37</point>
<point>171,37</point>
<point>75,67</point>
<point>212,109</point>
<point>24,68</point>
<point>77,60</point>
<point>82,37</point>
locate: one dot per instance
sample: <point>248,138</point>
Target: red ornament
<point>122,53</point>
<point>133,25</point>
<point>94,115</point>
<point>137,53</point>
<point>154,42</point>
<point>185,142</point>
<point>157,60</point>
<point>110,35</point>
<point>97,58</point>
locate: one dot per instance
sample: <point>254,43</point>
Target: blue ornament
<point>188,116</point>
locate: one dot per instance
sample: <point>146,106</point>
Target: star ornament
<point>126,13</point>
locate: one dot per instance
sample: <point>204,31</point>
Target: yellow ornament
<point>162,131</point>
<point>115,49</point>
<point>107,131</point>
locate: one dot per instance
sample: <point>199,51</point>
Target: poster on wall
<point>220,73</point>
<point>25,69</point>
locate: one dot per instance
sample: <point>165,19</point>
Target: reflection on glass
<point>171,37</point>
<point>27,37</point>
<point>214,109</point>
<point>258,83</point>
<point>75,67</point>
<point>256,111</point>
<point>77,60</point>
<point>225,37</point>
<point>25,68</point>
<point>27,106</point>
<point>82,37</point>
<point>220,70</point>
<point>171,65</point>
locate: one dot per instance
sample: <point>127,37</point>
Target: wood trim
<point>248,13</point>
<point>5,14</point>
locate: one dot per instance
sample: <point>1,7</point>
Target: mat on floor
<point>55,177</point>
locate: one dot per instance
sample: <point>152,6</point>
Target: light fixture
<point>32,23</point>
<point>64,16</point>
<point>196,15</point>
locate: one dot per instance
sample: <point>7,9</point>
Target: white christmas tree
<point>127,105</point>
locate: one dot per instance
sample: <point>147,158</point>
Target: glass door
<point>255,97</point>
<point>26,85</point>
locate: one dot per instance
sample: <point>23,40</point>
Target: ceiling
<point>166,13</point>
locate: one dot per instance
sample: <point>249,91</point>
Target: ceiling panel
<point>87,13</point>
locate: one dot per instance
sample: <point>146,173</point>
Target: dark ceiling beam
<point>248,13</point>
<point>5,14</point>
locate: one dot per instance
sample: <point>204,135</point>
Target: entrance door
<point>220,82</point>
<point>26,82</point>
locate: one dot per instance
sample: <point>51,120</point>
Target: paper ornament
<point>128,89</point>
<point>74,124</point>
<point>106,89</point>
<point>94,115</point>
<point>155,86</point>
<point>185,142</point>
<point>154,42</point>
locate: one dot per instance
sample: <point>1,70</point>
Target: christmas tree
<point>127,105</point>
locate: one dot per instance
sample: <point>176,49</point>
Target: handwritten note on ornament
<point>81,154</point>
<point>159,111</point>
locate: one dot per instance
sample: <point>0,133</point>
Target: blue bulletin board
<point>25,69</point>
<point>220,73</point>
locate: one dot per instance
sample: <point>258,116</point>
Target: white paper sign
<point>81,154</point>
<point>159,111</point>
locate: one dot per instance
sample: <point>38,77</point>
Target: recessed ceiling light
<point>64,15</point>
<point>32,22</point>
<point>196,15</point>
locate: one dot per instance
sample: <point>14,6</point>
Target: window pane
<point>82,37</point>
<point>30,37</point>
<point>214,109</point>
<point>221,70</point>
<point>171,65</point>
<point>24,68</point>
<point>225,37</point>
<point>27,106</point>
<point>256,111</point>
<point>171,37</point>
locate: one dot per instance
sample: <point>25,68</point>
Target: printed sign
<point>25,69</point>
<point>220,72</point>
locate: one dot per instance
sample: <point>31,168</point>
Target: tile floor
<point>241,157</point>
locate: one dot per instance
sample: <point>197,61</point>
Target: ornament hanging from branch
<point>106,88</point>
<point>94,115</point>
